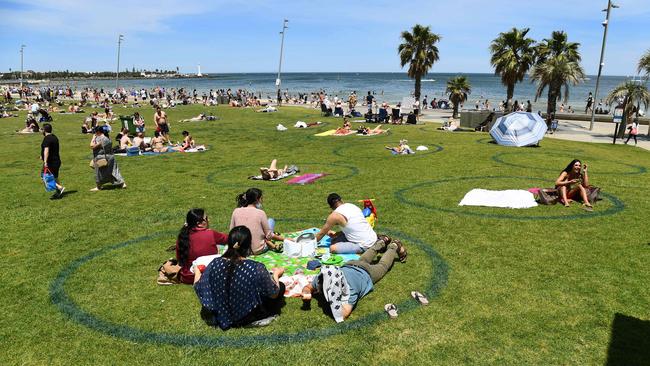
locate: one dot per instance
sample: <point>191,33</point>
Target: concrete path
<point>602,133</point>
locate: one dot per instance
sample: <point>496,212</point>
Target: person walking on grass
<point>104,163</point>
<point>51,158</point>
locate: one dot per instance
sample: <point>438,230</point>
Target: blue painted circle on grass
<point>617,207</point>
<point>74,312</point>
<point>634,169</point>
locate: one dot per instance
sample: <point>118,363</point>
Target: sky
<point>334,36</point>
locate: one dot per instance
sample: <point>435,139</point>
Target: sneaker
<point>60,193</point>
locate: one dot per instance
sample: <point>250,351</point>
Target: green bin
<point>127,122</point>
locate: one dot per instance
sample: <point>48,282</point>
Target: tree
<point>557,67</point>
<point>630,95</point>
<point>512,57</point>
<point>644,64</point>
<point>420,52</point>
<point>458,88</point>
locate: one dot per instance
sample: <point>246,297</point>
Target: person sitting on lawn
<point>344,286</point>
<point>188,141</point>
<point>356,234</point>
<point>158,143</point>
<point>250,214</point>
<point>138,141</point>
<point>345,129</point>
<point>402,148</point>
<point>272,172</point>
<point>235,291</point>
<point>196,239</point>
<point>573,183</point>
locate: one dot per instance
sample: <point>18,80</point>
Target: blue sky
<point>337,36</point>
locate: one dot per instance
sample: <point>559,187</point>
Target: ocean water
<point>389,87</point>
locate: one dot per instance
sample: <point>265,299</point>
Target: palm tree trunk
<point>621,128</point>
<point>510,93</point>
<point>552,101</point>
<point>418,86</point>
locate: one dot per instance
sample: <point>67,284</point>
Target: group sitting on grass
<point>235,291</point>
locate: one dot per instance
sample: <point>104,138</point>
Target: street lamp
<point>610,5</point>
<point>117,74</point>
<point>277,81</point>
<point>22,52</point>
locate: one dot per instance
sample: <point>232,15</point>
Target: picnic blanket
<point>333,133</point>
<point>306,178</point>
<point>199,148</point>
<point>512,198</point>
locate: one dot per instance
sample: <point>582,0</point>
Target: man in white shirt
<point>356,234</point>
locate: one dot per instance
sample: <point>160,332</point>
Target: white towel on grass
<point>512,198</point>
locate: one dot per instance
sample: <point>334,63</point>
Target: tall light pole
<point>610,5</point>
<point>117,74</point>
<point>22,52</point>
<point>277,81</point>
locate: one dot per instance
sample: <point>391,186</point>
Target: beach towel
<point>512,198</point>
<point>306,178</point>
<point>326,133</point>
<point>421,148</point>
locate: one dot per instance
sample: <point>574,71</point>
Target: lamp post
<point>117,74</point>
<point>610,5</point>
<point>277,81</point>
<point>22,52</point>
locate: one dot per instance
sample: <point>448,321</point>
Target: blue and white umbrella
<point>519,129</point>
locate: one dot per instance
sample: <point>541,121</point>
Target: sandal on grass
<point>587,208</point>
<point>391,310</point>
<point>420,298</point>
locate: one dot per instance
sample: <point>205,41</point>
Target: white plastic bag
<point>280,127</point>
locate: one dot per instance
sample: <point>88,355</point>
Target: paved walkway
<point>602,133</point>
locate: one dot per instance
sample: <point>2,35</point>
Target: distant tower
<point>199,72</point>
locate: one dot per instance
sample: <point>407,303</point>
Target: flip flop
<point>420,298</point>
<point>587,208</point>
<point>391,310</point>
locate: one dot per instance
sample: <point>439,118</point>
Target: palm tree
<point>557,67</point>
<point>512,56</point>
<point>644,64</point>
<point>632,95</point>
<point>420,52</point>
<point>458,88</point>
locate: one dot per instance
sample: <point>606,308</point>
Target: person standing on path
<point>634,130</point>
<point>590,103</point>
<point>51,158</point>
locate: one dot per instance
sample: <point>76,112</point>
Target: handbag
<point>99,163</point>
<point>48,180</point>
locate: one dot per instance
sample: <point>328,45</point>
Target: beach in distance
<point>389,87</point>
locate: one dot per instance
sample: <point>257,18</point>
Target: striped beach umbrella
<point>518,129</point>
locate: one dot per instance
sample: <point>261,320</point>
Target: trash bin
<point>127,122</point>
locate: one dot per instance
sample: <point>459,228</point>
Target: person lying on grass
<point>249,213</point>
<point>343,287</point>
<point>272,171</point>
<point>573,183</point>
<point>196,239</point>
<point>356,234</point>
<point>363,130</point>
<point>402,148</point>
<point>235,291</point>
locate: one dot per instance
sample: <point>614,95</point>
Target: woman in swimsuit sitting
<point>573,183</point>
<point>158,143</point>
<point>188,141</point>
<point>272,171</point>
<point>345,129</point>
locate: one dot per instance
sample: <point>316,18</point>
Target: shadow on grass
<point>630,341</point>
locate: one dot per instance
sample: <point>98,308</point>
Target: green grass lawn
<point>534,286</point>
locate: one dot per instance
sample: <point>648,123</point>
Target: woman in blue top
<point>235,291</point>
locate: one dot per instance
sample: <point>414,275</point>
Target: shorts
<point>346,247</point>
<point>54,169</point>
<point>164,128</point>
